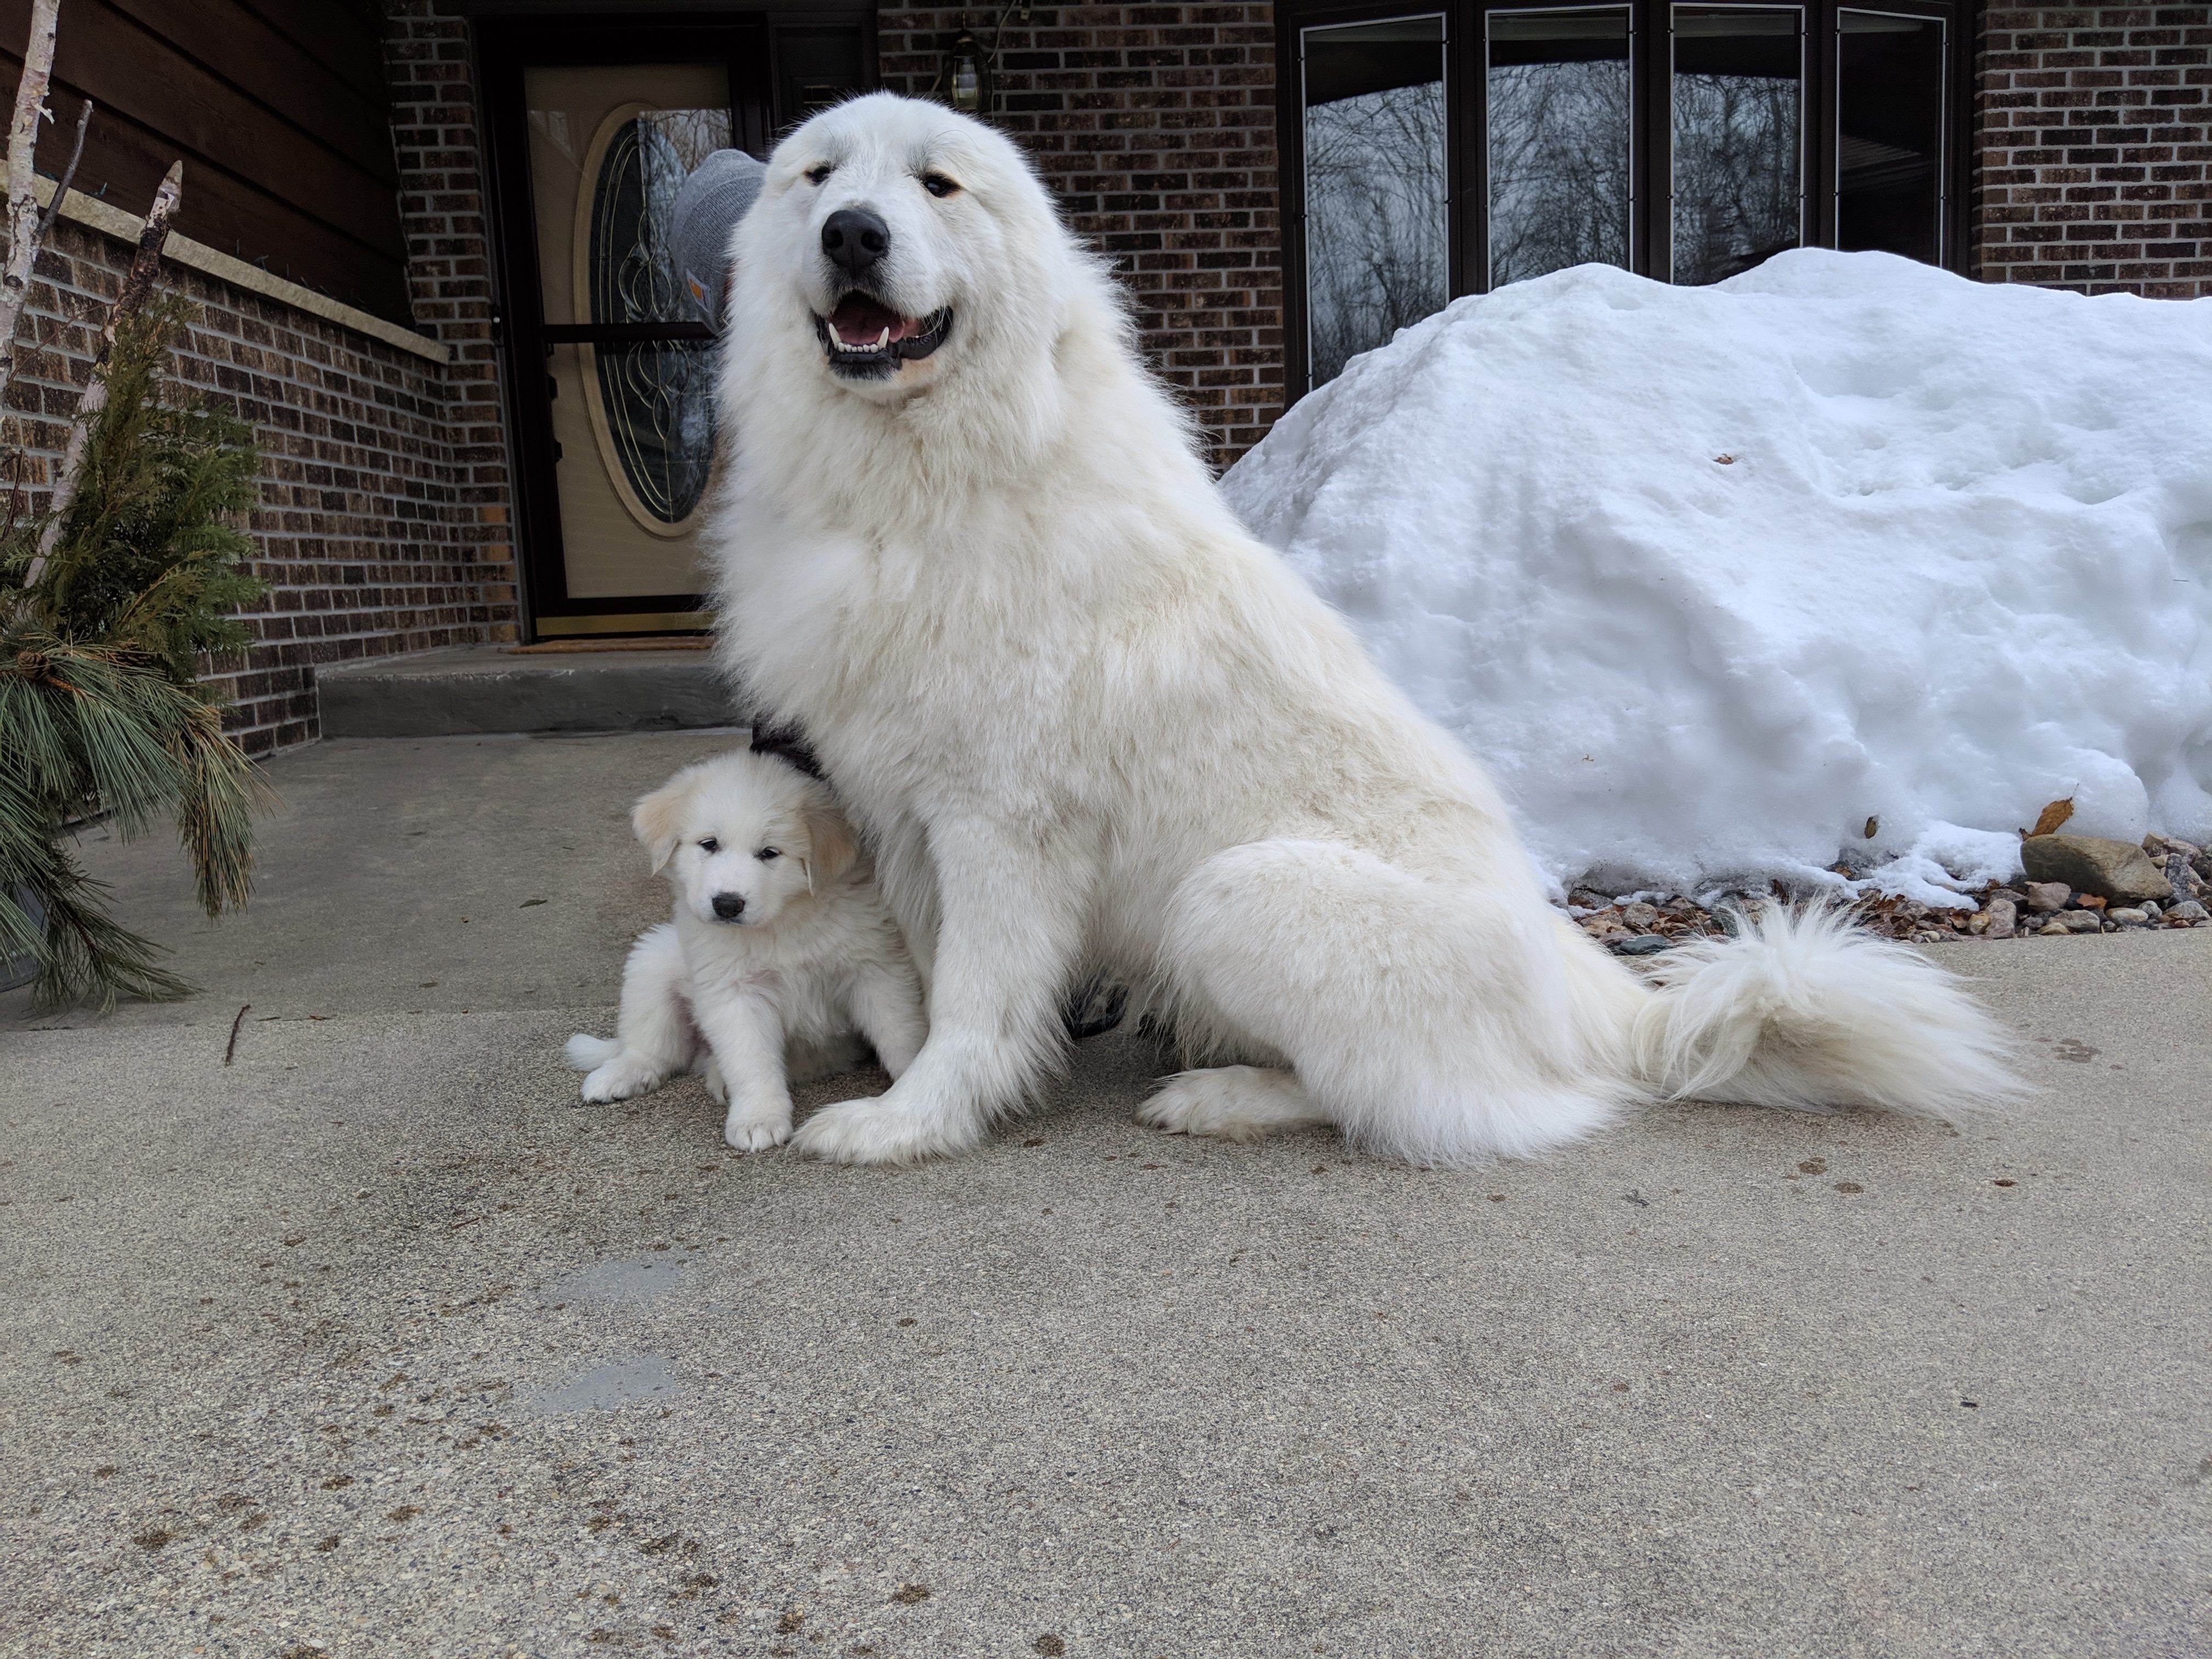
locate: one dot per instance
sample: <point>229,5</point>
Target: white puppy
<point>780,952</point>
<point>1087,722</point>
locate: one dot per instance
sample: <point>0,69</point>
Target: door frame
<point>506,46</point>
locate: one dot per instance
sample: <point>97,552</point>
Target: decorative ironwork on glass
<point>652,404</point>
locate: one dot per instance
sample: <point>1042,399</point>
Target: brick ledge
<point>111,221</point>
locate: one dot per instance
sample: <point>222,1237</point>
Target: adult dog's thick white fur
<point>781,951</point>
<point>1088,721</point>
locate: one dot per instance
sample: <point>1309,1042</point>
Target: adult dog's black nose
<point>856,238</point>
<point>728,907</point>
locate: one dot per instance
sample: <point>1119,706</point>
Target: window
<point>1559,137</point>
<point>1890,181</point>
<point>1375,191</point>
<point>1736,106</point>
<point>1437,153</point>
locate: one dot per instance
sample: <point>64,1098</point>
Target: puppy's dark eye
<point>817,175</point>
<point>769,855</point>
<point>937,185</point>
<point>710,845</point>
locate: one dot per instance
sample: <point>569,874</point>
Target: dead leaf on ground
<point>2048,820</point>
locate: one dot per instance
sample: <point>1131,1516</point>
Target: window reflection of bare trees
<point>1558,167</point>
<point>1736,192</point>
<point>1375,219</point>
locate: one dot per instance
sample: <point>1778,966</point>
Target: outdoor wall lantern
<point>964,79</point>
<point>967,75</point>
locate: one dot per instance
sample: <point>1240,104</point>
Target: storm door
<point>611,367</point>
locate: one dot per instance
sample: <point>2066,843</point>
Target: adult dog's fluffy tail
<point>586,1054</point>
<point>1801,1009</point>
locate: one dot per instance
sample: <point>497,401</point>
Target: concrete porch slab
<point>471,689</point>
<point>374,1340</point>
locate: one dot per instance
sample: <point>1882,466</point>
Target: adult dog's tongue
<point>860,320</point>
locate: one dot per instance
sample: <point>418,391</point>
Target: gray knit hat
<point>707,207</point>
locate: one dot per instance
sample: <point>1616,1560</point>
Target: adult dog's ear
<point>831,846</point>
<point>657,819</point>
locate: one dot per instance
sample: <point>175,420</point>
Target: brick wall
<point>2095,139</point>
<point>1156,126</point>
<point>449,275</point>
<point>362,536</point>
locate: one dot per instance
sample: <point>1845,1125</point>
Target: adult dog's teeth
<point>884,339</point>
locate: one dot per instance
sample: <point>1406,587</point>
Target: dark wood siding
<point>277,108</point>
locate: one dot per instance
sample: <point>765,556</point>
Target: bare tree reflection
<point>1736,191</point>
<point>1558,167</point>
<point>1375,219</point>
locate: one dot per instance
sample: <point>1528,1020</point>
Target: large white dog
<point>966,543</point>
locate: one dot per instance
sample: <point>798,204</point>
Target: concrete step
<point>475,688</point>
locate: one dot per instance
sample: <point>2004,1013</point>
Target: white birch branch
<point>137,283</point>
<point>23,179</point>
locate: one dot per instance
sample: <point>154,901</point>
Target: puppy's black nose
<point>856,238</point>
<point>728,907</point>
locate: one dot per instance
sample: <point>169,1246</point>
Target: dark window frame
<point>1651,158</point>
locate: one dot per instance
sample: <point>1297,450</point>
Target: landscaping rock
<point>2118,871</point>
<point>1642,928</point>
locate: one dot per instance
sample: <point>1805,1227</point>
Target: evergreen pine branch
<point>100,642</point>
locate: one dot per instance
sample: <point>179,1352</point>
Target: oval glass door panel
<point>633,418</point>
<point>652,408</point>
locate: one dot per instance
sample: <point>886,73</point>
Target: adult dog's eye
<point>710,845</point>
<point>769,855</point>
<point>817,175</point>
<point>937,185</point>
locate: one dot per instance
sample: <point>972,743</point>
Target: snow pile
<point>1844,556</point>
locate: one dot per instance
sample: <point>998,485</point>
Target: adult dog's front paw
<point>755,1132</point>
<point>873,1131</point>
<point>625,1075</point>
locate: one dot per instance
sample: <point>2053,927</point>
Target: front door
<point>593,129</point>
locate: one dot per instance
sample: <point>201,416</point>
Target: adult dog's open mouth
<point>865,337</point>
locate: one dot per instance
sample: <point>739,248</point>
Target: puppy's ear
<point>831,846</point>
<point>657,819</point>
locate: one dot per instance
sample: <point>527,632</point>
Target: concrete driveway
<point>373,1341</point>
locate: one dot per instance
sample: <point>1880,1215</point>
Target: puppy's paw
<point>717,1090</point>
<point>625,1075</point>
<point>756,1132</point>
<point>871,1132</point>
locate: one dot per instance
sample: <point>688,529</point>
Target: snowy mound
<point>1845,556</point>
